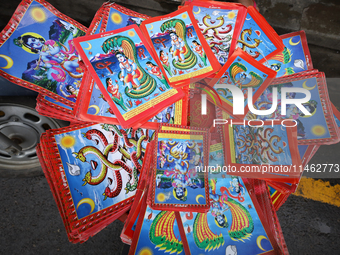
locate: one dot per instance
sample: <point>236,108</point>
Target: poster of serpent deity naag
<point>131,83</point>
<point>220,24</point>
<point>179,46</point>
<point>258,38</point>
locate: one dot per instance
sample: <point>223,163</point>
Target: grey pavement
<point>30,221</point>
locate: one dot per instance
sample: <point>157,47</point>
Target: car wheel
<point>20,122</point>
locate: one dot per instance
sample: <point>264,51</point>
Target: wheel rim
<point>24,126</point>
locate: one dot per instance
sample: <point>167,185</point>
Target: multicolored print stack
<point>193,127</point>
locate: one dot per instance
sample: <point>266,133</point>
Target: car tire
<point>22,123</point>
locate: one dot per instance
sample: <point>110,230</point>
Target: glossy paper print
<point>268,151</point>
<point>232,225</point>
<point>98,106</point>
<point>263,145</point>
<point>180,177</point>
<point>218,27</point>
<point>40,51</point>
<point>309,127</point>
<point>258,38</point>
<point>53,101</point>
<point>178,47</point>
<point>158,234</point>
<point>242,74</point>
<point>101,164</point>
<point>123,66</point>
<point>294,59</point>
<point>121,17</point>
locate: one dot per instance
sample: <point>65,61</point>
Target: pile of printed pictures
<point>176,125</point>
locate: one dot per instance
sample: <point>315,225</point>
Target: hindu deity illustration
<point>129,72</point>
<point>51,55</point>
<point>183,56</point>
<point>113,88</point>
<point>199,49</point>
<point>178,48</point>
<point>222,201</point>
<point>165,61</point>
<point>182,173</point>
<point>181,179</point>
<point>236,186</point>
<point>155,70</point>
<point>71,91</point>
<point>137,82</point>
<point>57,66</point>
<point>240,77</point>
